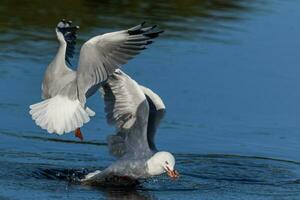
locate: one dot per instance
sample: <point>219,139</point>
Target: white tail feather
<point>60,114</point>
<point>90,112</point>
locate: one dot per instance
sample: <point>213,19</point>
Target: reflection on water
<point>228,87</point>
<point>180,18</point>
<point>113,194</point>
<point>27,28</point>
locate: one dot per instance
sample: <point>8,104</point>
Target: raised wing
<point>127,109</point>
<point>122,97</point>
<point>70,35</point>
<point>101,55</point>
<point>157,111</point>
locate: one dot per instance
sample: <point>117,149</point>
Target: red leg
<point>78,134</point>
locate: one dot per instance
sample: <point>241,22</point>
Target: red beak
<point>172,173</point>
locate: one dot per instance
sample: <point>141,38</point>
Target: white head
<point>162,162</point>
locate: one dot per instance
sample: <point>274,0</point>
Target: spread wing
<point>70,35</point>
<point>122,98</point>
<point>157,111</point>
<point>101,55</point>
<point>127,109</point>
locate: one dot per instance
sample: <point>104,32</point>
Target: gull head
<point>162,162</point>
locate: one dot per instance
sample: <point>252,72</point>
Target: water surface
<point>228,72</point>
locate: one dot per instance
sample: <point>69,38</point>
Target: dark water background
<point>227,70</point>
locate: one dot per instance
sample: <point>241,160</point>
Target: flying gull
<point>64,91</point>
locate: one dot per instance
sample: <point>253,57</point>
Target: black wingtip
<point>146,31</point>
<point>149,42</point>
<point>153,34</point>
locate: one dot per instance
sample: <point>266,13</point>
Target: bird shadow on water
<point>200,174</point>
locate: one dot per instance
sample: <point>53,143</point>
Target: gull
<point>136,112</point>
<point>64,91</point>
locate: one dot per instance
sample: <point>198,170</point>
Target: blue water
<point>228,72</point>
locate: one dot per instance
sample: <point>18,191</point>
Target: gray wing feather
<point>122,97</point>
<point>101,55</point>
<point>127,109</point>
<point>157,112</point>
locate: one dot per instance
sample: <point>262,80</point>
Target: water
<point>226,70</point>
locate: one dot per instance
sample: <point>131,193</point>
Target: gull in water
<point>136,112</point>
<point>64,91</point>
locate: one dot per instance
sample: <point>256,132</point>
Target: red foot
<point>78,134</point>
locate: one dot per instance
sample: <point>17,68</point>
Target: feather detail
<point>60,114</point>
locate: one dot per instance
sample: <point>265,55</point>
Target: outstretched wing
<point>157,111</point>
<point>101,55</point>
<point>127,109</point>
<point>122,97</point>
<point>70,35</point>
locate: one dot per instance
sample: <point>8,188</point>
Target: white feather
<point>60,114</point>
<point>90,112</point>
<point>90,175</point>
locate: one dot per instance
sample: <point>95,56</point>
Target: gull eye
<point>167,162</point>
